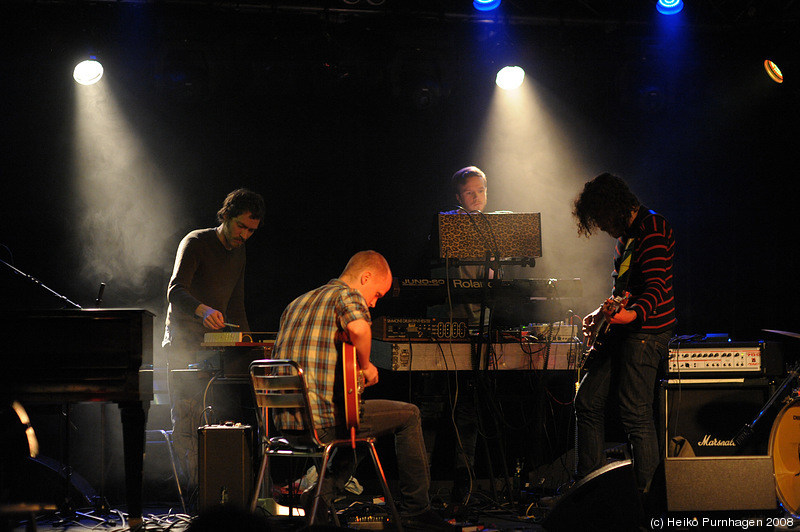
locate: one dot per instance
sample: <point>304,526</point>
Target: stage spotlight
<point>669,7</point>
<point>88,72</point>
<point>773,71</point>
<point>485,5</point>
<point>510,77</point>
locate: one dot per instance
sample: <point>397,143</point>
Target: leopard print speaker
<point>505,235</point>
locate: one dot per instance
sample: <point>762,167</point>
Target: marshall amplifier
<point>708,414</point>
<point>704,469</point>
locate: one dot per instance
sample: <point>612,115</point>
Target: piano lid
<point>77,355</point>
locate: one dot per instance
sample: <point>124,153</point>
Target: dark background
<point>350,117</point>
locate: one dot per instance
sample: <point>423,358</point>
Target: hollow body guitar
<point>353,388</point>
<point>596,337</point>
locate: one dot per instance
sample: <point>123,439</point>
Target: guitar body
<point>594,343</point>
<point>353,386</point>
<point>597,337</point>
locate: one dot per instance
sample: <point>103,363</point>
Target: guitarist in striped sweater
<point>640,316</point>
<point>313,331</point>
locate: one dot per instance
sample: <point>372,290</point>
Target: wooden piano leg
<point>134,418</point>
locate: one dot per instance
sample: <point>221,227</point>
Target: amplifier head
<point>691,359</point>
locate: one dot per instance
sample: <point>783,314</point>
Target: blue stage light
<point>485,5</point>
<point>669,7</point>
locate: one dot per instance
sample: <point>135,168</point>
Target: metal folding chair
<point>281,385</point>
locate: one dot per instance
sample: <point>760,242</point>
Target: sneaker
<point>428,521</point>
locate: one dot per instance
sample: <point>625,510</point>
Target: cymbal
<point>785,333</point>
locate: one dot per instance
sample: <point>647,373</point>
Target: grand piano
<point>85,355</point>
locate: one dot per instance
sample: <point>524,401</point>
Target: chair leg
<point>259,483</point>
<point>387,494</point>
<point>378,469</point>
<point>321,471</point>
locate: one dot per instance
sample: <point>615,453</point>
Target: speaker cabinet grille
<point>720,483</point>
<point>709,415</point>
<point>716,474</point>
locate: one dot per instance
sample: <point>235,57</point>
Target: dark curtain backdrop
<point>328,121</point>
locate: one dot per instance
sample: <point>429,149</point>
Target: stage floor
<point>594,508</point>
<point>481,516</point>
<point>165,519</point>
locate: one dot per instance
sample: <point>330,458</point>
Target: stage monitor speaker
<point>720,483</point>
<point>225,465</point>
<point>712,473</point>
<point>607,499</point>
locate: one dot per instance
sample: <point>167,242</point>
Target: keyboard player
<point>470,188</point>
<point>471,192</point>
<point>206,293</point>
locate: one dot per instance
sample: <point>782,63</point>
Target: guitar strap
<point>623,274</point>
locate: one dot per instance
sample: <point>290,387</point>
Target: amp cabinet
<point>225,471</point>
<point>712,472</point>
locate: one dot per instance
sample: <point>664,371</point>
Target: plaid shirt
<point>311,334</point>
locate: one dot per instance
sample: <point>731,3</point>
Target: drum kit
<point>784,440</point>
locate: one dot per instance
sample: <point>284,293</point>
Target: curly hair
<point>240,201</point>
<point>605,202</point>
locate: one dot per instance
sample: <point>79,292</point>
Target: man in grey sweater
<point>205,292</point>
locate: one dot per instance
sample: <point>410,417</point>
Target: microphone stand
<point>37,282</point>
<point>66,507</point>
<point>100,502</point>
<point>747,429</point>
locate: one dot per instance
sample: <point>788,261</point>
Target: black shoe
<point>549,501</point>
<point>428,521</point>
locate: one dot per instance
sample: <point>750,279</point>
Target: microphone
<point>99,299</point>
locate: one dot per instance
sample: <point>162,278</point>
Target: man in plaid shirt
<point>311,332</point>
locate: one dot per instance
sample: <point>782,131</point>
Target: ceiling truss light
<point>88,72</point>
<point>485,5</point>
<point>773,71</point>
<point>669,7</point>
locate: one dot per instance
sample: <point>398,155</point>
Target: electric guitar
<point>353,387</point>
<point>599,331</point>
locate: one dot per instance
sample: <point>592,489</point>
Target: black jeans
<point>628,370</point>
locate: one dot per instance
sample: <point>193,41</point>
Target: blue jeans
<point>629,369</point>
<point>381,417</point>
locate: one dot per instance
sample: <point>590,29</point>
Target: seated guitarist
<point>311,331</point>
<point>630,351</point>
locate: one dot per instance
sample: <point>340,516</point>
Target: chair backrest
<point>280,385</point>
